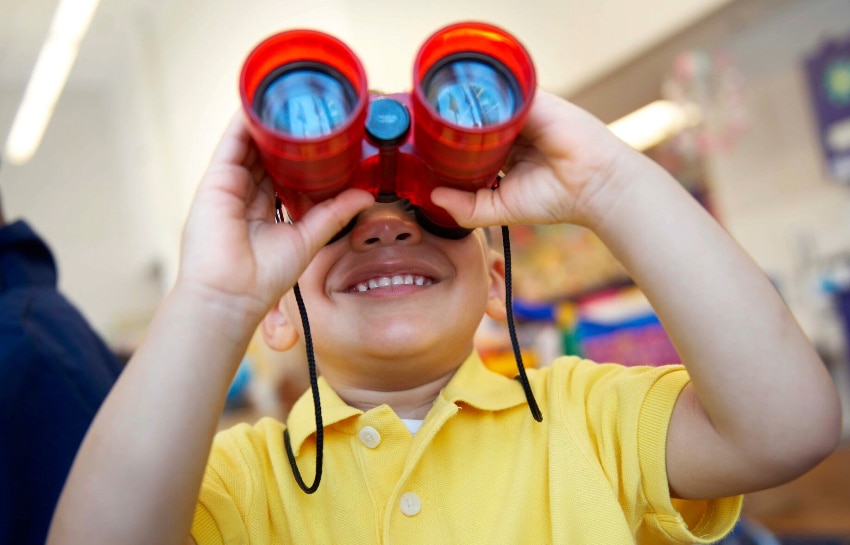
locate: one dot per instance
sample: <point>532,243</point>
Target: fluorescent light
<point>654,123</point>
<point>55,60</point>
<point>72,18</point>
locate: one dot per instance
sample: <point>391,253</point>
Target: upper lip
<point>388,266</point>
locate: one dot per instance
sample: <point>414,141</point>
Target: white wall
<point>771,189</point>
<point>89,211</point>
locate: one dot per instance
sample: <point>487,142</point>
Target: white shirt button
<point>370,437</point>
<point>410,504</point>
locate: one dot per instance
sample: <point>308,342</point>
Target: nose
<point>385,224</point>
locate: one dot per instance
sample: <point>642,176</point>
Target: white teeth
<point>397,280</point>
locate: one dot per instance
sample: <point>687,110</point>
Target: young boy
<point>393,310</point>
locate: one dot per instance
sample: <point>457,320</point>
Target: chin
<point>398,343</point>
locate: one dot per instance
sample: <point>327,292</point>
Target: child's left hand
<point>560,170</point>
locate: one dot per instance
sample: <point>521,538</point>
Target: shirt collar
<point>472,384</point>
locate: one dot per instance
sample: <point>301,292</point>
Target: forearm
<point>757,377</point>
<point>139,469</point>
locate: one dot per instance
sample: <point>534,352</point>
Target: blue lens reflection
<point>306,103</point>
<point>471,93</point>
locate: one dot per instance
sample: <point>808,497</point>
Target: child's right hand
<point>232,250</point>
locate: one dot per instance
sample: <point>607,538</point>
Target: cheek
<point>314,276</point>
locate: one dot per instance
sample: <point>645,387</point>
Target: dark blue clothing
<point>54,373</point>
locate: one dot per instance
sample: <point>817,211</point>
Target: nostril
<point>372,240</point>
<point>403,236</point>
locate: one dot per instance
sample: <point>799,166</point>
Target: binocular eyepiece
<point>319,129</point>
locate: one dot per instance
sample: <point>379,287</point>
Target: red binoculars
<point>320,130</point>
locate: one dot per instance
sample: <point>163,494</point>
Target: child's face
<point>389,291</point>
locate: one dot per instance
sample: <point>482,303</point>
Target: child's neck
<point>413,402</point>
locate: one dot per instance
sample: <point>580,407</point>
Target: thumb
<point>291,247</point>
<point>468,209</point>
<point>329,217</point>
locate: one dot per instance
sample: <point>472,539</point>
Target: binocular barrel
<point>320,131</point>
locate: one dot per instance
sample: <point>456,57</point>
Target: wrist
<point>229,318</point>
<point>619,192</point>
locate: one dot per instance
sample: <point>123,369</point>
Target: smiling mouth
<point>381,282</point>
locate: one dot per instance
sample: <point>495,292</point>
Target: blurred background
<point>746,102</point>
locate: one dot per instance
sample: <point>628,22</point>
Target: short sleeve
<point>230,489</point>
<point>680,521</point>
<point>214,499</point>
<point>623,414</point>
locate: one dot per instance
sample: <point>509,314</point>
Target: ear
<point>496,308</point>
<point>278,331</point>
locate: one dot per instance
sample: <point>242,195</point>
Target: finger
<point>261,205</point>
<point>254,163</point>
<point>329,217</point>
<point>290,247</point>
<point>227,172</point>
<point>468,209</point>
<point>235,143</point>
<point>252,157</point>
<point>258,172</point>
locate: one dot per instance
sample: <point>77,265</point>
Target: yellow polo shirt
<point>479,471</point>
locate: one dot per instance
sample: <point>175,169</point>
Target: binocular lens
<point>472,93</point>
<point>305,102</point>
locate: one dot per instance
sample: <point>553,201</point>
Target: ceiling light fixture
<point>55,60</point>
<point>654,123</point>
